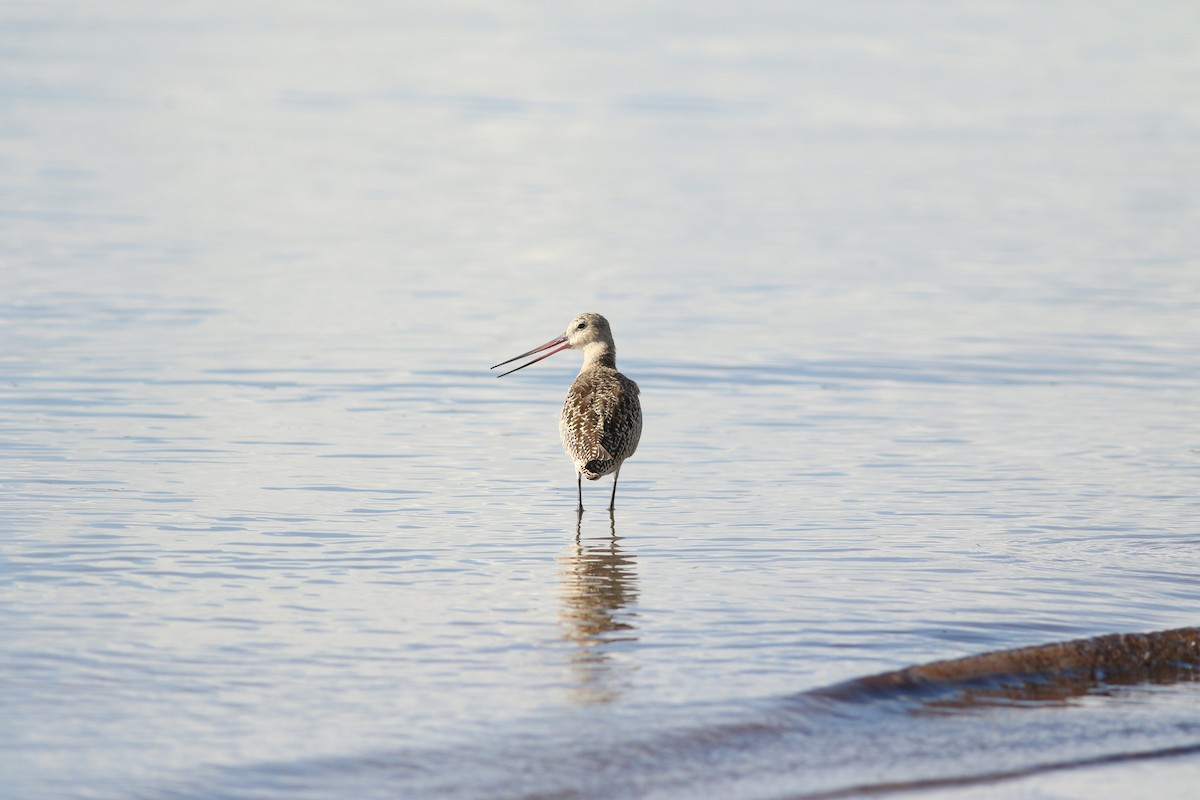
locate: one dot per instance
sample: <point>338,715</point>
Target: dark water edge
<point>977,720</point>
<point>1046,672</point>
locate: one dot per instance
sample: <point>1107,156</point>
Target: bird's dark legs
<point>613,502</point>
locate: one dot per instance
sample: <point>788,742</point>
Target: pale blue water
<point>911,292</point>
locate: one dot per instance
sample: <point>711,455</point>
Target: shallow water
<point>911,294</point>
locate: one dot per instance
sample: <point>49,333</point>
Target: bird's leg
<point>613,502</point>
<point>580,482</point>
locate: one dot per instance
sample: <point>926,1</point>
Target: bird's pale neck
<point>599,354</point>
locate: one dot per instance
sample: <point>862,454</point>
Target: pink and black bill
<point>562,340</point>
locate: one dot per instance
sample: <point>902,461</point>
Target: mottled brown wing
<point>601,421</point>
<point>621,412</point>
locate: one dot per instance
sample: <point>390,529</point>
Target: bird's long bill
<point>562,340</point>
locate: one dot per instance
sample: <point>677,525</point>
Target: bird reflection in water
<point>598,592</point>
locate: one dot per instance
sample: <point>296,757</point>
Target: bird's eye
<point>581,326</point>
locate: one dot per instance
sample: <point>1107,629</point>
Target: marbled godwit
<point>601,419</point>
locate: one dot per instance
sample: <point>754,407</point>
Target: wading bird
<point>601,419</point>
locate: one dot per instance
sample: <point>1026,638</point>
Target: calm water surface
<point>911,292</point>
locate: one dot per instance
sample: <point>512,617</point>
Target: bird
<point>601,421</point>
